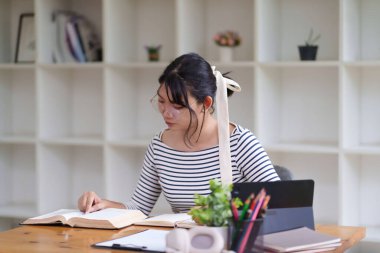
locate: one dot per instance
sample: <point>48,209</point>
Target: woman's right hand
<point>90,202</point>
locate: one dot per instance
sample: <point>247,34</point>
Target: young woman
<point>182,159</point>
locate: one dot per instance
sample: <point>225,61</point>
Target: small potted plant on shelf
<point>153,52</point>
<point>214,210</point>
<point>308,52</point>
<point>226,41</point>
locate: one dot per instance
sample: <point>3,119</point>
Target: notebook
<point>290,206</point>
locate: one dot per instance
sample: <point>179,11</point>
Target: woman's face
<point>176,116</point>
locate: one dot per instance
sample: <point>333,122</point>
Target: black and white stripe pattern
<point>179,175</point>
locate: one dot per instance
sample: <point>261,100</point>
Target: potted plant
<point>214,210</point>
<point>227,40</point>
<point>153,52</point>
<point>308,52</point>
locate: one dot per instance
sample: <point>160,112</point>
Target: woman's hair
<point>189,74</point>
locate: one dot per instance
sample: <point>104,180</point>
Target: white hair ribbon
<point>222,83</point>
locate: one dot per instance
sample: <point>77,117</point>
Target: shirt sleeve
<point>252,160</point>
<point>148,188</point>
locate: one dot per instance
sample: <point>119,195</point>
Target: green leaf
<point>214,209</point>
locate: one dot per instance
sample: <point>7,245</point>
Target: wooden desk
<point>64,239</point>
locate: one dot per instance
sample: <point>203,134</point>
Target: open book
<point>109,218</point>
<point>181,220</point>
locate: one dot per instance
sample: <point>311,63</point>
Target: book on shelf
<point>61,47</point>
<point>110,218</point>
<point>298,240</point>
<point>75,39</point>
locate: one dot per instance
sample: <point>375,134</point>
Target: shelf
<point>10,11</point>
<point>289,109</point>
<point>374,63</point>
<point>72,102</point>
<point>76,141</point>
<point>73,169</point>
<point>72,66</point>
<point>212,16</point>
<point>128,93</point>
<point>360,26</point>
<point>323,169</point>
<point>361,120</point>
<point>18,211</point>
<point>18,176</point>
<point>139,65</point>
<point>138,143</point>
<point>17,102</point>
<point>126,42</point>
<point>91,9</point>
<point>283,25</point>
<point>124,165</point>
<point>300,64</point>
<point>14,66</point>
<point>363,150</point>
<point>312,148</point>
<point>18,139</point>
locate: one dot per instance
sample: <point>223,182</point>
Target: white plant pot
<point>226,54</point>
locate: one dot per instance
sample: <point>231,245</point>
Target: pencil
<point>245,235</point>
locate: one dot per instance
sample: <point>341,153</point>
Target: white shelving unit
<point>68,128</point>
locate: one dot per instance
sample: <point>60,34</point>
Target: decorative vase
<point>225,54</point>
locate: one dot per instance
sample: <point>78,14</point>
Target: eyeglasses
<point>164,108</point>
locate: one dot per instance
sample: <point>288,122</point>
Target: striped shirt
<point>179,175</point>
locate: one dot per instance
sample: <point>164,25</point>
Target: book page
<point>165,219</point>
<point>108,214</point>
<point>67,213</point>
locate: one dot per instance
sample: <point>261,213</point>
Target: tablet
<point>290,206</point>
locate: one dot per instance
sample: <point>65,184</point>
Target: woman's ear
<point>207,103</point>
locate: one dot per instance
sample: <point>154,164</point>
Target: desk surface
<point>66,239</point>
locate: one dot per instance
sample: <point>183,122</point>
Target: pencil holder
<point>245,232</point>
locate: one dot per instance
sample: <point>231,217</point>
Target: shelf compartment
<point>10,11</point>
<point>130,115</point>
<point>361,119</point>
<point>360,174</point>
<point>124,166</point>
<point>65,172</point>
<point>284,25</point>
<point>130,25</point>
<point>323,169</point>
<point>17,180</point>
<point>71,103</point>
<point>289,108</point>
<point>212,16</point>
<point>17,104</point>
<point>91,9</point>
<point>360,30</point>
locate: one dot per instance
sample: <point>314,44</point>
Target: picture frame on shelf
<point>26,39</point>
